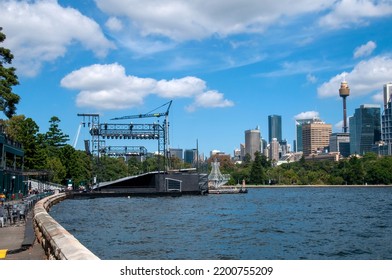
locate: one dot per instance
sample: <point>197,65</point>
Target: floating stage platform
<point>171,183</point>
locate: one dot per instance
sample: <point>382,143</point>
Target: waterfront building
<point>365,128</point>
<point>11,168</point>
<point>315,137</point>
<point>299,123</point>
<point>340,142</point>
<point>252,142</point>
<point>386,121</point>
<point>274,128</point>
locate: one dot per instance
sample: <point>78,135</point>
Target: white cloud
<point>41,31</point>
<point>188,20</point>
<point>378,98</point>
<point>311,78</point>
<point>210,99</point>
<point>185,87</point>
<point>339,126</point>
<point>365,50</point>
<point>114,24</point>
<point>344,13</point>
<point>307,115</point>
<point>289,68</point>
<point>195,20</point>
<point>108,87</point>
<point>367,77</point>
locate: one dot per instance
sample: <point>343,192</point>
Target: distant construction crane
<point>149,114</point>
<point>154,114</point>
<point>77,135</point>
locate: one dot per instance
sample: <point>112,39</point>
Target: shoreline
<point>307,186</point>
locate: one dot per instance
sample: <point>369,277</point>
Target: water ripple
<point>284,223</point>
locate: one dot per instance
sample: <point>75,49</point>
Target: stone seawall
<point>57,242</point>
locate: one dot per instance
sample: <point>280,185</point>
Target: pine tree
<point>55,136</point>
<point>257,173</point>
<point>8,79</point>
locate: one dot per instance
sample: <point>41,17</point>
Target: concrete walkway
<point>19,239</point>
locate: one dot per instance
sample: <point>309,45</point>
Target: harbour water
<point>267,223</point>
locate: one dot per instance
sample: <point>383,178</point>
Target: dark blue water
<point>280,223</point>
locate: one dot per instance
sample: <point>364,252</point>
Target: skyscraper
<point>315,137</point>
<point>274,128</point>
<point>340,142</point>
<point>252,142</point>
<point>178,153</point>
<point>365,128</point>
<point>299,123</point>
<point>387,116</point>
<point>190,156</point>
<point>274,151</point>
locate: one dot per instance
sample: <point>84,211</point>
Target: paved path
<point>19,239</point>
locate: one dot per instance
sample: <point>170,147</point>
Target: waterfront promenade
<point>20,242</point>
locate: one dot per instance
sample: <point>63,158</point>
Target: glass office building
<point>274,128</point>
<point>365,129</point>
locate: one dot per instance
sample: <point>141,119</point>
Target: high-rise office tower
<point>274,151</point>
<point>386,133</point>
<point>243,152</point>
<point>252,142</point>
<point>340,142</point>
<point>365,129</point>
<point>274,128</point>
<point>344,91</point>
<point>315,137</point>
<point>178,153</point>
<point>190,156</point>
<point>299,124</point>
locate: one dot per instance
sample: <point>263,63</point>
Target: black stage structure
<point>164,181</point>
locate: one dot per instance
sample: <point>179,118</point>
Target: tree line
<point>370,169</point>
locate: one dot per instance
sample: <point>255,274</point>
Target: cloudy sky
<point>226,64</point>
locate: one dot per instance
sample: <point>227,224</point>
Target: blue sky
<point>226,64</point>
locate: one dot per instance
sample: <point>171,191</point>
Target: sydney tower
<point>344,91</point>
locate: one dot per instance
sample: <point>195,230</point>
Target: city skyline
<point>227,66</point>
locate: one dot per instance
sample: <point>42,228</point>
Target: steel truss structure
<point>124,151</point>
<point>100,132</point>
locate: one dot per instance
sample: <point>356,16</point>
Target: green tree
<point>112,169</point>
<point>77,164</point>
<point>134,166</point>
<point>25,131</point>
<point>58,171</point>
<point>55,136</point>
<point>174,163</point>
<point>150,164</point>
<point>8,79</point>
<point>257,172</point>
<point>240,173</point>
<point>355,173</point>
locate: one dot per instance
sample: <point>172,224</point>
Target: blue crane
<point>150,114</point>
